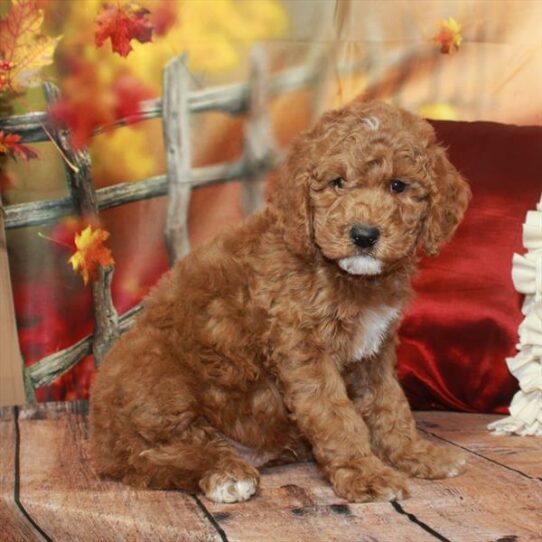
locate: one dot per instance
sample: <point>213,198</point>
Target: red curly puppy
<point>280,334</point>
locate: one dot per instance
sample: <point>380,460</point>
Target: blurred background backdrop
<point>484,62</point>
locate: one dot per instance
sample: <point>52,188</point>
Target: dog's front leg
<point>316,395</point>
<point>378,397</point>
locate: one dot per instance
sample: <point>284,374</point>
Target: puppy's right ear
<point>290,197</point>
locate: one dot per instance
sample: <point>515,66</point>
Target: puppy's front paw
<point>432,462</point>
<point>367,481</point>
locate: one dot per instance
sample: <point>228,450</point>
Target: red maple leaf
<point>122,24</point>
<point>163,17</point>
<point>129,93</point>
<point>87,103</point>
<point>10,146</point>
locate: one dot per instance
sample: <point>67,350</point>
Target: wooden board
<point>68,501</point>
<point>498,499</point>
<point>295,503</point>
<point>11,361</point>
<point>14,525</point>
<point>522,454</point>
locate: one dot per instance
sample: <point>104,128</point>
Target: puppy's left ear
<point>447,204</point>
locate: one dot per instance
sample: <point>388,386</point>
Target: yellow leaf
<point>23,46</point>
<point>449,36</point>
<point>90,253</point>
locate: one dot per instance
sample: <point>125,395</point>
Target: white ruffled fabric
<point>526,408</point>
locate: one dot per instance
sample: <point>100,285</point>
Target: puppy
<point>279,336</point>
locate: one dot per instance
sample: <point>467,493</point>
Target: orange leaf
<point>90,253</point>
<point>24,50</point>
<point>64,232</point>
<point>122,24</point>
<point>449,36</point>
<point>10,146</point>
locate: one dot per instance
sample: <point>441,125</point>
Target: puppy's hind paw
<point>231,487</point>
<point>231,490</point>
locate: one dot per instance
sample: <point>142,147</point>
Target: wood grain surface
<point>13,523</point>
<point>516,453</point>
<point>49,491</point>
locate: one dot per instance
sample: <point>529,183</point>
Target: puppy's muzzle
<point>364,236</point>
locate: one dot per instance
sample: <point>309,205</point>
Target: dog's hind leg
<point>147,428</point>
<point>199,458</point>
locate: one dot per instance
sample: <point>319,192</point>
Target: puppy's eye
<point>337,183</point>
<point>398,186</point>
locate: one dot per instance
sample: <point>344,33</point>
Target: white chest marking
<point>373,327</point>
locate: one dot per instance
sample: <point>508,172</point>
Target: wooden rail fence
<point>175,108</point>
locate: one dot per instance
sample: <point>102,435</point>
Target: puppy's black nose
<point>364,236</point>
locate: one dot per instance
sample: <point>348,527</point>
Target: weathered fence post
<point>79,176</point>
<point>176,124</point>
<point>12,388</point>
<point>320,63</point>
<point>258,137</point>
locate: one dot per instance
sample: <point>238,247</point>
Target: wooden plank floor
<point>49,492</point>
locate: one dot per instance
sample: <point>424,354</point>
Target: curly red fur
<point>261,337</point>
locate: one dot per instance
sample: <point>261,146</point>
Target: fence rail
<point>43,212</point>
<point>49,368</point>
<point>232,99</point>
<point>175,108</point>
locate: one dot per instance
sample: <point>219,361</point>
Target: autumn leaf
<point>129,92</point>
<point>10,146</point>
<point>90,253</point>
<point>163,17</point>
<point>80,117</point>
<point>85,104</point>
<point>64,233</point>
<point>24,50</point>
<point>90,102</point>
<point>5,74</point>
<point>122,24</point>
<point>449,36</point>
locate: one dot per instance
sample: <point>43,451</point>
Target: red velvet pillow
<point>463,323</point>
